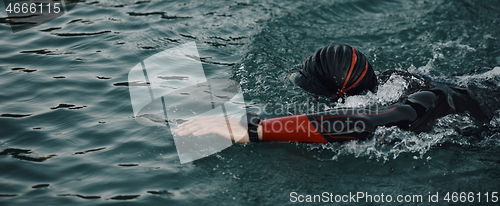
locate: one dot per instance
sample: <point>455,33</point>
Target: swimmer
<point>337,71</point>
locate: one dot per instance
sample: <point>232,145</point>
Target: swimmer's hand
<point>215,125</point>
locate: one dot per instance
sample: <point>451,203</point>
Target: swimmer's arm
<point>300,128</point>
<point>294,128</point>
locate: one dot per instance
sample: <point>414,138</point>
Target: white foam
<point>389,142</point>
<point>426,69</point>
<point>455,44</point>
<point>495,121</point>
<point>489,36</point>
<point>495,72</point>
<point>389,92</point>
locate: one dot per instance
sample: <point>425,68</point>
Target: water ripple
<point>77,34</point>
<point>25,154</point>
<point>16,115</point>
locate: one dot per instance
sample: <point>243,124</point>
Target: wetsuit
<point>415,113</point>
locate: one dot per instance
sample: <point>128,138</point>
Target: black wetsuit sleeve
<point>456,99</point>
<point>464,102</point>
<point>416,114</point>
<point>336,125</point>
<point>361,123</point>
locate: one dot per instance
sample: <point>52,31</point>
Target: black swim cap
<point>336,70</point>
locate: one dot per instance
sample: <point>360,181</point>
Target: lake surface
<point>68,134</point>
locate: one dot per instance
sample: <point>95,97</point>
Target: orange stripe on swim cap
<point>354,59</point>
<point>365,70</point>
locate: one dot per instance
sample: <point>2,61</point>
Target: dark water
<point>68,135</point>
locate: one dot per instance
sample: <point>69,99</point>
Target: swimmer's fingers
<point>201,120</point>
<point>190,129</point>
<point>229,128</point>
<point>222,131</point>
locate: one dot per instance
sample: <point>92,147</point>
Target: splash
<point>389,143</point>
<point>495,121</point>
<point>389,92</point>
<point>456,44</point>
<point>489,75</point>
<point>426,69</point>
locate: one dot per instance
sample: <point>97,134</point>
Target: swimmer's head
<point>336,70</point>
